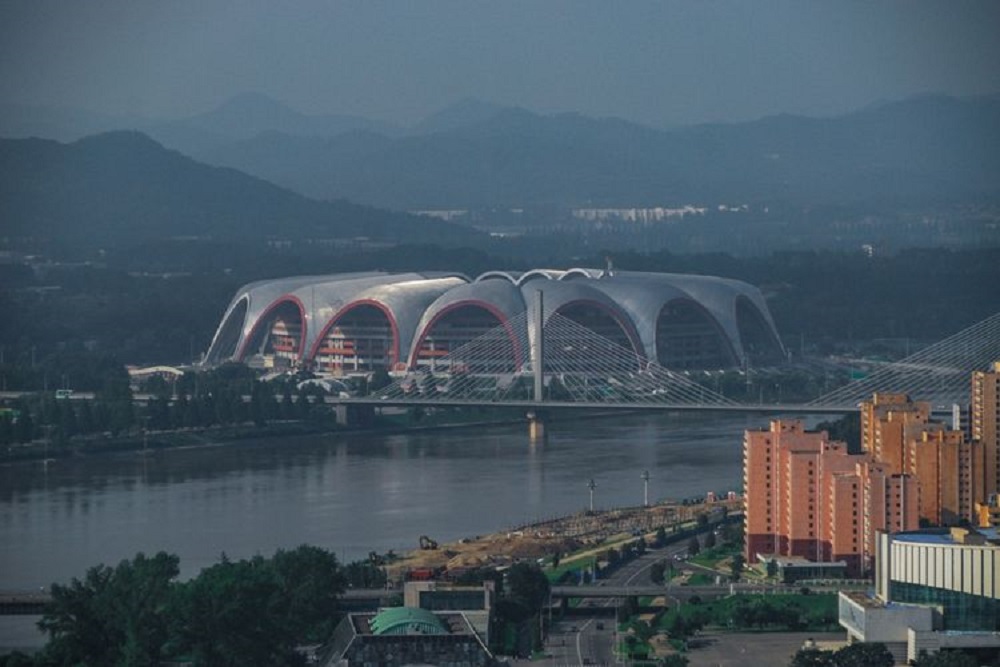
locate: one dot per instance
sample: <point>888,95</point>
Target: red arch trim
<point>287,298</point>
<point>625,326</point>
<point>346,309</point>
<point>488,307</point>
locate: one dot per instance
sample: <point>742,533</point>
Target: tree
<point>811,657</point>
<point>772,568</point>
<point>24,427</point>
<point>863,655</point>
<point>677,627</point>
<point>528,585</point>
<point>657,571</point>
<point>694,546</point>
<point>114,615</point>
<point>17,659</point>
<point>661,536</point>
<point>224,617</point>
<point>710,540</point>
<point>310,580</point>
<point>366,574</point>
<point>254,612</point>
<point>628,609</point>
<point>736,566</point>
<point>946,659</point>
<point>674,660</point>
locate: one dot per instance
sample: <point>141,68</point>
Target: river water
<point>349,493</point>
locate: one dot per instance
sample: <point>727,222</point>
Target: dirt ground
<point>564,535</point>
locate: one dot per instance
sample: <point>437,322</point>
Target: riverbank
<point>432,419</point>
<point>582,536</point>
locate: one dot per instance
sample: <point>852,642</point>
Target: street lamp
<point>645,488</point>
<point>591,486</point>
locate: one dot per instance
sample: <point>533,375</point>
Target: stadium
<point>348,324</point>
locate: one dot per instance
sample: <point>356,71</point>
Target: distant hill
<point>123,186</point>
<point>249,114</point>
<point>239,118</point>
<point>475,154</point>
<point>22,121</point>
<point>929,147</point>
<point>463,113</point>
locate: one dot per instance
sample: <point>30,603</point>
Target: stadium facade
<point>345,324</point>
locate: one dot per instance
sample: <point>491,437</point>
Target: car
<point>599,626</point>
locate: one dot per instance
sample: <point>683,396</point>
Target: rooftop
<point>952,536</point>
<point>864,599</point>
<point>410,621</point>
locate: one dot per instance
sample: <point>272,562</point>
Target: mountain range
<point>125,187</point>
<point>480,155</point>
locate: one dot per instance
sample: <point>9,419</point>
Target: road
<point>588,640</point>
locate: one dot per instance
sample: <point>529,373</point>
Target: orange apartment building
<point>984,416</point>
<point>887,421</point>
<point>951,473</point>
<point>807,496</point>
<point>900,434</point>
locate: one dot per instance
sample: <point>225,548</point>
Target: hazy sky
<point>655,62</point>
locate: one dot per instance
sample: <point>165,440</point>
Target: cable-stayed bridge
<point>563,364</point>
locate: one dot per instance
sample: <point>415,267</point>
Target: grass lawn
<point>712,557</point>
<point>700,579</point>
<point>781,612</point>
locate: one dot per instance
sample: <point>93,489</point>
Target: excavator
<point>427,543</point>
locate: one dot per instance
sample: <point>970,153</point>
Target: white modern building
<point>935,589</point>
<point>360,322</point>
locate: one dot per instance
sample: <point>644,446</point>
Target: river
<point>350,493</point>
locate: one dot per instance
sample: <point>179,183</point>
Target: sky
<point>660,63</point>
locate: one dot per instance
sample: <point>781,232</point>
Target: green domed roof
<point>407,621</point>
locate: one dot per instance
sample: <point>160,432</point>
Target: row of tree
<point>230,394</point>
<point>876,655</point>
<point>245,612</point>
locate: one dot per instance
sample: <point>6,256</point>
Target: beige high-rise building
<point>806,496</point>
<point>900,434</point>
<point>983,422</point>
<point>951,470</point>
<point>886,422</point>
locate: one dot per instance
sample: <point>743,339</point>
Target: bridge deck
<point>784,408</point>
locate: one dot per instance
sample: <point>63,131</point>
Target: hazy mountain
<point>931,146</point>
<point>20,121</point>
<point>250,114</point>
<point>123,186</point>
<point>241,117</point>
<point>463,113</point>
<point>474,154</point>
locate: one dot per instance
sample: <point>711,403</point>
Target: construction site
<point>577,535</point>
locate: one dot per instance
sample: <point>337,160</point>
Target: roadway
<point>529,405</point>
<point>591,639</point>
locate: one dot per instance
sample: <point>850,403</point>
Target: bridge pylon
<point>538,349</point>
<point>536,418</point>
